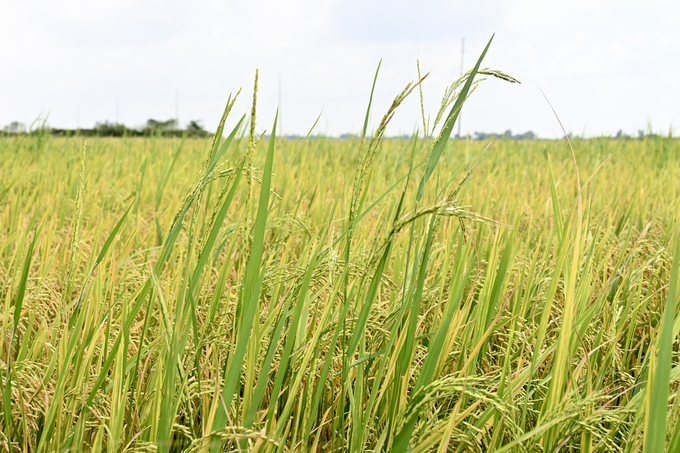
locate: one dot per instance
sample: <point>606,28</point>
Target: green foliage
<point>107,129</point>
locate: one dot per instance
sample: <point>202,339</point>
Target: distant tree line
<point>506,135</point>
<point>152,127</point>
<point>171,128</point>
<point>641,134</point>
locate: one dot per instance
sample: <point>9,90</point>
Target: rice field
<point>248,293</point>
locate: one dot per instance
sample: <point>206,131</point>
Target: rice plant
<point>251,293</point>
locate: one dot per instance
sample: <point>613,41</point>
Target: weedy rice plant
<point>356,295</point>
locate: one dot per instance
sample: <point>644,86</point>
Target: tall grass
<point>260,294</point>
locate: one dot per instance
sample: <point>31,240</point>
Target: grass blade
<point>443,138</point>
<point>18,304</point>
<point>659,380</point>
<point>250,293</point>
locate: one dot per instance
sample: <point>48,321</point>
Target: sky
<point>603,65</point>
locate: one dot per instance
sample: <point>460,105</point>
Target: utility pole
<point>280,122</point>
<point>462,54</point>
<point>117,113</point>
<point>77,116</point>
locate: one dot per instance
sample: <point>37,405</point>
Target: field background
<point>534,321</point>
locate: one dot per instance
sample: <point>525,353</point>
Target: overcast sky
<point>604,65</point>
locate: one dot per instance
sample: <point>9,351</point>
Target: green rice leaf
<point>443,138</point>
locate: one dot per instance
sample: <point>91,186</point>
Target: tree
<point>107,129</point>
<point>195,125</point>
<point>14,127</point>
<point>168,125</point>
